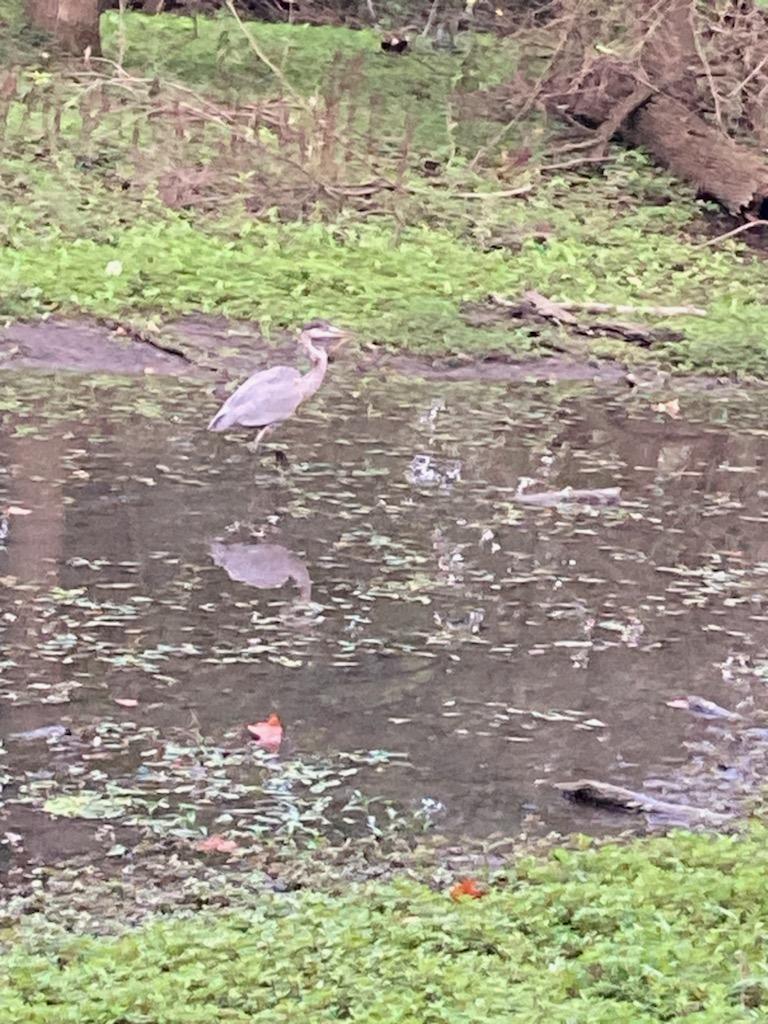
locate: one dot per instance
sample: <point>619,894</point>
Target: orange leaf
<point>466,887</point>
<point>217,844</point>
<point>267,735</point>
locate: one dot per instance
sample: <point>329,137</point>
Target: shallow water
<point>427,642</point>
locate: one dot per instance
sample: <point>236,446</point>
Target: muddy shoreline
<point>213,348</point>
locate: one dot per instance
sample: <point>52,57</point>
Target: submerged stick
<point>617,798</point>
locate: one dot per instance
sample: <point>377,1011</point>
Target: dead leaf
<point>217,844</point>
<point>17,510</point>
<point>267,735</point>
<point>126,702</point>
<point>671,408</point>
<point>466,887</point>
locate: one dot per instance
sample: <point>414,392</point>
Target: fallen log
<point>658,99</point>
<point>617,798</point>
<point>681,141</point>
<point>677,137</point>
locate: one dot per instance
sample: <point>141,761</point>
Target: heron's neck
<point>319,359</point>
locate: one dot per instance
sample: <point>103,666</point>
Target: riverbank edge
<point>214,347</point>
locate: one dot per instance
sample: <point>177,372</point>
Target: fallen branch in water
<point>703,707</point>
<point>547,499</point>
<point>617,798</point>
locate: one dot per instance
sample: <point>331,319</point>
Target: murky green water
<point>458,653</point>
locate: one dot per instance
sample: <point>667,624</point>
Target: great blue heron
<point>269,397</point>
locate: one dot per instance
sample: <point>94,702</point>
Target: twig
<point>431,17</point>
<point>755,71</point>
<point>736,231</point>
<point>279,75</point>
<point>641,92</point>
<point>570,147</point>
<point>507,193</point>
<point>566,165</point>
<point>700,53</point>
<point>121,39</point>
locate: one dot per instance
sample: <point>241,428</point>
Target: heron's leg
<point>254,446</point>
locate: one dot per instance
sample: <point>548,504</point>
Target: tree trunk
<point>680,140</point>
<point>73,24</point>
<point>655,102</point>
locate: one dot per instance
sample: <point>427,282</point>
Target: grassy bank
<point>659,930</point>
<point>200,178</point>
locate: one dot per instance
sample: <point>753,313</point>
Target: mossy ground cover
<point>199,178</point>
<point>657,930</point>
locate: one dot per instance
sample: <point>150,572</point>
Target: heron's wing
<point>268,396</point>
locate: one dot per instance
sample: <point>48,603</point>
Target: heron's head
<point>324,333</point>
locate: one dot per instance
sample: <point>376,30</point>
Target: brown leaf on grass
<point>217,844</point>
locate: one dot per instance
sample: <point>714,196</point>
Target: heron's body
<point>269,397</point>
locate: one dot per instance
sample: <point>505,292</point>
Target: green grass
<point>19,44</point>
<point>204,216</point>
<point>658,930</point>
<point>311,61</point>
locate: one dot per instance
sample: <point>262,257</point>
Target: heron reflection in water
<point>266,566</point>
<point>270,396</point>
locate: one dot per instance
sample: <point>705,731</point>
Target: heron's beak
<point>343,337</point>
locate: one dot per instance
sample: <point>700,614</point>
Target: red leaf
<point>267,735</point>
<point>217,844</point>
<point>466,887</point>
